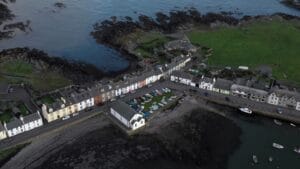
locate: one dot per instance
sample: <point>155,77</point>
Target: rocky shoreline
<point>292,3</point>
<point>78,72</point>
<point>200,140</point>
<point>109,32</point>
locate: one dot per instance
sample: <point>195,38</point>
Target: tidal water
<point>258,135</point>
<point>66,33</point>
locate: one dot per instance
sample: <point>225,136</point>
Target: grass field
<point>146,42</point>
<point>274,43</point>
<point>5,155</point>
<point>22,72</point>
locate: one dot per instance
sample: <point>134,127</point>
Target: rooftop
<point>124,110</point>
<point>14,123</point>
<point>31,117</point>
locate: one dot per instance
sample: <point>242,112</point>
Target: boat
<point>245,110</point>
<point>255,159</point>
<point>292,124</point>
<point>297,150</point>
<point>278,146</point>
<point>277,122</point>
<point>270,159</point>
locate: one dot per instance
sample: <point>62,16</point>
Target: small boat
<point>255,159</point>
<point>292,124</point>
<point>297,150</point>
<point>245,110</point>
<point>278,146</point>
<point>277,122</point>
<point>270,159</point>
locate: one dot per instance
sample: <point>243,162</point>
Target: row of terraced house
<point>70,101</point>
<point>274,96</point>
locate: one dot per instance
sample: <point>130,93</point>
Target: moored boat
<point>245,110</point>
<point>277,122</point>
<point>255,159</point>
<point>297,150</point>
<point>270,159</point>
<point>278,146</point>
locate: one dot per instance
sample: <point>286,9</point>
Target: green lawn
<point>5,155</point>
<point>23,72</point>
<point>47,99</point>
<point>6,116</point>
<point>23,109</point>
<point>149,41</point>
<point>274,43</point>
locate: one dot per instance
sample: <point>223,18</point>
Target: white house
<point>249,93</point>
<point>206,83</point>
<point>32,121</point>
<point>284,98</point>
<point>273,99</point>
<point>2,132</point>
<point>14,127</point>
<point>222,86</point>
<point>298,105</point>
<point>127,116</point>
<point>182,77</point>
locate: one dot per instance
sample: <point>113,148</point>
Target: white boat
<point>245,110</point>
<point>297,150</point>
<point>255,159</point>
<point>277,122</point>
<point>292,124</point>
<point>276,145</point>
<point>270,159</point>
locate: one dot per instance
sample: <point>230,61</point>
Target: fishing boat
<point>270,159</point>
<point>278,146</point>
<point>277,122</point>
<point>297,150</point>
<point>245,110</point>
<point>255,159</point>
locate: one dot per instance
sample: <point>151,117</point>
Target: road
<point>47,128</point>
<point>259,108</point>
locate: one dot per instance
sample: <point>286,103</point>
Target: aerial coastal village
<point>69,101</point>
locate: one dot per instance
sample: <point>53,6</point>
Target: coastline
<point>78,72</point>
<point>110,31</point>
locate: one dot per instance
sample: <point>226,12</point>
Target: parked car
<point>66,117</point>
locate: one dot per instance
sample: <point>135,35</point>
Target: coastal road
<point>48,128</point>
<point>232,101</point>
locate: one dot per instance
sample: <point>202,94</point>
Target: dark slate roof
<point>1,127</point>
<point>182,74</point>
<point>287,93</point>
<point>207,80</point>
<point>249,90</point>
<point>223,84</point>
<point>4,87</point>
<point>31,117</point>
<point>124,110</point>
<point>14,123</point>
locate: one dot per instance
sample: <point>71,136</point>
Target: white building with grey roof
<point>222,86</point>
<point>206,83</point>
<point>2,132</point>
<point>19,125</point>
<point>183,78</point>
<point>249,93</point>
<point>284,98</point>
<point>127,116</point>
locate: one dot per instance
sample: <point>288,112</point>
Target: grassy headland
<point>274,43</point>
<point>18,71</point>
